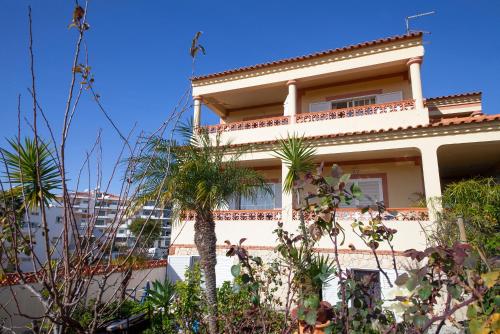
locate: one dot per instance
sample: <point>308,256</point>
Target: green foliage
<point>190,302</point>
<point>478,202</point>
<point>161,294</point>
<point>449,271</point>
<point>115,310</point>
<point>200,175</point>
<point>148,230</point>
<point>298,156</point>
<point>21,171</point>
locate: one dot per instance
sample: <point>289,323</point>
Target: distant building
<point>104,210</point>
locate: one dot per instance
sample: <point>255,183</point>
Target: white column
<point>291,109</point>
<point>432,181</point>
<point>286,198</point>
<point>416,81</point>
<point>196,111</point>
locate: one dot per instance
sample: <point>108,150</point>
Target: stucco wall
<point>254,113</point>
<point>404,180</point>
<point>386,85</point>
<point>30,305</point>
<point>260,233</point>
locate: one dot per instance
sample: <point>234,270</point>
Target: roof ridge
<point>308,56</point>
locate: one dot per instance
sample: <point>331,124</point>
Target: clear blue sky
<point>139,52</point>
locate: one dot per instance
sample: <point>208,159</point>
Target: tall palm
<point>200,176</point>
<point>34,185</point>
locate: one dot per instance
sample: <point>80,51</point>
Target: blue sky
<point>139,53</point>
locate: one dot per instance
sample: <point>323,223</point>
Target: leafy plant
<point>148,230</point>
<point>32,170</point>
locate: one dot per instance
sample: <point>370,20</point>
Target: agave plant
<point>161,295</point>
<point>32,172</point>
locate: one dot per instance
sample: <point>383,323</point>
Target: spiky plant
<point>31,171</point>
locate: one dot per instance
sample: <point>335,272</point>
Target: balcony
<point>241,215</point>
<point>245,125</point>
<point>372,117</point>
<point>390,214</point>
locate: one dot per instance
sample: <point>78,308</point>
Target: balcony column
<point>432,180</point>
<point>196,111</point>
<point>286,198</point>
<point>416,81</point>
<point>291,100</point>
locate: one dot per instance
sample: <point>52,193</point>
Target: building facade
<point>104,213</point>
<point>362,107</point>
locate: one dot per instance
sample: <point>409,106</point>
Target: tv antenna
<point>408,18</point>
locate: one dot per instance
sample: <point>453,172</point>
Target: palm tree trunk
<point>205,241</point>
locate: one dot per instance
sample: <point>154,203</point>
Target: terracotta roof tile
<point>454,96</point>
<point>309,56</point>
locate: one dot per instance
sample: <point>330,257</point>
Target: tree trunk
<point>205,241</point>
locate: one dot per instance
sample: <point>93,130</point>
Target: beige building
<point>363,108</point>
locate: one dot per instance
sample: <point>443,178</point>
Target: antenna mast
<point>408,18</point>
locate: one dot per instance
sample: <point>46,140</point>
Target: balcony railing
<point>372,109</point>
<point>240,215</point>
<point>245,125</point>
<point>394,214</point>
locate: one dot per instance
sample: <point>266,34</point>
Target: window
<point>101,213</point>
<point>264,200</point>
<point>358,101</point>
<point>34,213</point>
<point>355,102</point>
<point>372,189</point>
<point>371,280</point>
<point>100,222</point>
<point>121,231</point>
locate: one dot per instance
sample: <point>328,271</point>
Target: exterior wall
<point>348,259</point>
<point>385,85</point>
<point>238,115</point>
<point>458,105</point>
<point>260,233</point>
<point>404,180</point>
<point>31,306</point>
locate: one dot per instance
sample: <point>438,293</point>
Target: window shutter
<point>177,266</point>
<point>223,270</point>
<point>320,106</point>
<point>330,291</point>
<point>389,97</point>
<point>372,191</point>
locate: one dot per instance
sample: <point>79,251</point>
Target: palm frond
<point>298,156</point>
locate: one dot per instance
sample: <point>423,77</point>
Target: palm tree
<point>200,176</point>
<point>298,156</point>
<point>33,179</point>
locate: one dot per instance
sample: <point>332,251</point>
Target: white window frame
<point>352,99</point>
